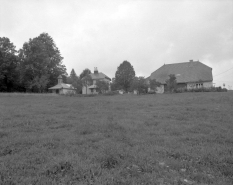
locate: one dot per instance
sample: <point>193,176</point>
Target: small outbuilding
<point>62,88</point>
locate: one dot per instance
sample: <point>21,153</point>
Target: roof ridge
<point>182,63</point>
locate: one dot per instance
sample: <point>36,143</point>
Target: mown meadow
<point>184,138</point>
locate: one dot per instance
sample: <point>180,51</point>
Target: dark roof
<point>99,75</point>
<point>185,72</point>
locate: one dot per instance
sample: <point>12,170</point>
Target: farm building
<point>192,74</point>
<point>62,88</point>
<point>92,88</point>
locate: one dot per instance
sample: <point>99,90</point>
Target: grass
<point>175,139</point>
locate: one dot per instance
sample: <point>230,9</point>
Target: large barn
<point>192,74</point>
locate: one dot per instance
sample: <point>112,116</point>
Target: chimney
<point>190,60</point>
<point>59,79</point>
<point>95,70</point>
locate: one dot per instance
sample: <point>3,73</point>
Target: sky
<point>147,33</point>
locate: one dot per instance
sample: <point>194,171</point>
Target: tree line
<point>32,68</point>
<point>36,66</point>
<point>125,79</point>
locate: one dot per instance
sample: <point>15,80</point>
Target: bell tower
<point>59,79</point>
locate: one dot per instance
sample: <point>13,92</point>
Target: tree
<point>75,81</point>
<point>86,81</point>
<point>40,83</point>
<point>114,86</point>
<point>73,75</point>
<point>40,57</point>
<point>77,84</point>
<point>102,85</point>
<point>139,84</point>
<point>124,75</point>
<point>153,84</point>
<point>85,73</point>
<point>171,83</point>
<point>9,63</point>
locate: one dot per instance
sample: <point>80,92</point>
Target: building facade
<point>192,74</point>
<point>62,88</point>
<point>92,88</point>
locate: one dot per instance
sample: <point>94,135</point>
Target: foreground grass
<point>152,139</point>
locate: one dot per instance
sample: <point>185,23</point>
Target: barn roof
<point>62,86</point>
<point>193,71</point>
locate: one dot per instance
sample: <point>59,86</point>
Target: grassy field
<point>182,138</point>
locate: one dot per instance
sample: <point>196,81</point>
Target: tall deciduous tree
<point>86,81</point>
<point>73,75</point>
<point>139,84</point>
<point>77,84</point>
<point>153,84</point>
<point>40,83</point>
<point>85,73</point>
<point>124,75</point>
<point>114,85</point>
<point>40,57</point>
<point>171,83</point>
<point>102,85</point>
<point>8,65</point>
<point>75,81</point>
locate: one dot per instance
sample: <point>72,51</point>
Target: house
<point>192,74</point>
<point>120,91</point>
<point>92,87</point>
<point>62,88</point>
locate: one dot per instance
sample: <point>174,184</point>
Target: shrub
<point>88,95</point>
<point>206,89</point>
<point>224,90</point>
<point>80,95</point>
<point>111,93</point>
<point>179,90</point>
<point>172,83</point>
<point>151,92</point>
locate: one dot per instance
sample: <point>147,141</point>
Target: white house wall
<point>199,85</point>
<point>66,91</point>
<point>160,89</point>
<point>84,91</point>
<point>94,91</point>
<point>208,84</point>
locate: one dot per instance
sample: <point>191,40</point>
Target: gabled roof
<point>99,75</point>
<point>185,72</point>
<point>62,86</point>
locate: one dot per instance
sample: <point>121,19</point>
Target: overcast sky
<point>147,33</point>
